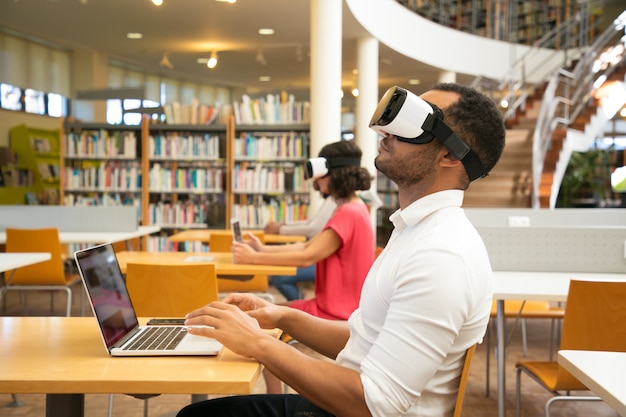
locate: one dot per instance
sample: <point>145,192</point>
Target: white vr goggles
<point>413,120</point>
<point>319,167</point>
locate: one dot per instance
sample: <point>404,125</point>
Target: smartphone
<point>236,228</point>
<point>166,322</point>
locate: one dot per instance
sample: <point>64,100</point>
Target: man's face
<point>407,163</point>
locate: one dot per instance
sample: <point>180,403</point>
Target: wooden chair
<point>49,275</point>
<point>221,241</point>
<point>520,310</point>
<point>595,319</point>
<point>171,290</point>
<point>463,381</point>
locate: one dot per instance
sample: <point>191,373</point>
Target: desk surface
<point>98,237</point>
<point>66,355</point>
<point>602,372</point>
<point>204,235</point>
<point>9,261</point>
<point>544,286</point>
<point>223,262</point>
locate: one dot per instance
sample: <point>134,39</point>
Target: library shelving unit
<point>34,176</point>
<point>101,165</point>
<point>388,194</point>
<point>267,173</point>
<point>186,180</point>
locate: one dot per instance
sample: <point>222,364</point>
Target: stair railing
<point>569,91</point>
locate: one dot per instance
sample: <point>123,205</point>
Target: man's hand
<point>229,325</point>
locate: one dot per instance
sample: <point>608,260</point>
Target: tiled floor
<point>476,403</point>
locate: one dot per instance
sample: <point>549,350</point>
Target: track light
<point>212,62</point>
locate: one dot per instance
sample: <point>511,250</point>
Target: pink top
<point>339,278</point>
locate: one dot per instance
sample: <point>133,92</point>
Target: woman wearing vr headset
<point>425,301</point>
<point>343,251</point>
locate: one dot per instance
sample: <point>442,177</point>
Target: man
<point>425,300</point>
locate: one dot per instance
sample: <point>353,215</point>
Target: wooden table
<point>65,358</point>
<point>98,237</point>
<point>522,285</point>
<point>204,235</point>
<point>224,265</point>
<point>602,372</point>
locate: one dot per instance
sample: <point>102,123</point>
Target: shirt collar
<point>423,207</point>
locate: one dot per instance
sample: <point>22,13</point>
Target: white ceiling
<point>190,29</point>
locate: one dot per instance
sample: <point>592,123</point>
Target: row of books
<point>179,214</point>
<point>101,144</point>
<point>49,171</point>
<point>271,109</point>
<point>103,199</point>
<point>196,114</point>
<point>272,146</point>
<point>106,176</point>
<point>191,179</point>
<point>184,146</point>
<point>161,244</point>
<point>264,178</point>
<point>16,177</point>
<point>253,216</point>
<point>41,145</point>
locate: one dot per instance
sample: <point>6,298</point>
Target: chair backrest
<point>37,240</point>
<point>171,290</point>
<point>221,241</point>
<point>595,319</point>
<point>469,354</point>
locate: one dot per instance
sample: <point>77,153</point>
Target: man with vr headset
<point>425,300</point>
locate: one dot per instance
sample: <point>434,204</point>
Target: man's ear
<point>448,160</point>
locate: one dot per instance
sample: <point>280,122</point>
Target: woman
<point>343,251</point>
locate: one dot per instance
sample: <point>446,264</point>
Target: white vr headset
<point>319,167</point>
<point>413,120</point>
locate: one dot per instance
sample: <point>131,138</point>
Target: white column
<point>367,83</point>
<point>326,37</point>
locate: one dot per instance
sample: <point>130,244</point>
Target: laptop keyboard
<point>158,338</point>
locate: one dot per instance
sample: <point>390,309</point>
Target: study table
<point>523,285</point>
<point>64,357</point>
<point>602,372</point>
<point>204,235</point>
<point>224,266</point>
<point>11,261</point>
<point>98,237</point>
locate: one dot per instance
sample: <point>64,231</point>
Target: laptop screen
<point>107,290</point>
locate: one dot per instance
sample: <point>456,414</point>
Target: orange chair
<point>49,275</point>
<point>463,381</point>
<point>221,241</point>
<point>522,310</point>
<point>595,319</point>
<point>171,290</point>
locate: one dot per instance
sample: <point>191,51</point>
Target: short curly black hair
<point>346,180</point>
<point>475,118</point>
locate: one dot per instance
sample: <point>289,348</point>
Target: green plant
<point>580,186</point>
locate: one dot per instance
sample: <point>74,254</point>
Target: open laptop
<point>111,304</point>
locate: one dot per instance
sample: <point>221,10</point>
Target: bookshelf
<point>30,169</point>
<point>101,165</point>
<point>186,176</point>
<point>267,174</point>
<point>388,194</point>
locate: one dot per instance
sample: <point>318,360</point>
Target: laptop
<point>113,309</point>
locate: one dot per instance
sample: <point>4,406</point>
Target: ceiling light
<point>414,81</point>
<point>227,1</point>
<point>134,35</point>
<point>212,62</point>
<point>266,31</point>
<point>265,78</point>
<point>157,2</point>
<point>165,61</point>
<point>355,92</point>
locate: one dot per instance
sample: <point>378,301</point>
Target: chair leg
<point>145,408</point>
<point>15,402</point>
<point>488,352</point>
<point>524,339</point>
<point>518,390</point>
<point>68,304</point>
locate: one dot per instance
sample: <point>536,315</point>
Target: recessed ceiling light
<point>266,31</point>
<point>134,35</point>
<point>264,78</point>
<point>202,60</point>
<point>227,1</point>
<point>414,81</point>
